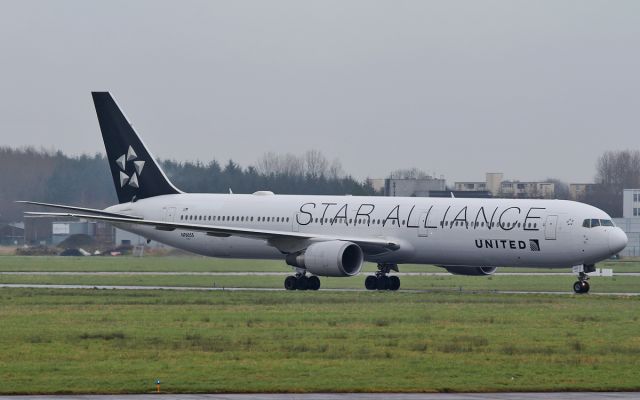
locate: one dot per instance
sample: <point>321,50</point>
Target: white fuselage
<point>440,231</point>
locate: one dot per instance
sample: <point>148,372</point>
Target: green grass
<point>98,341</point>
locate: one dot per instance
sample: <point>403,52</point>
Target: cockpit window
<point>592,223</point>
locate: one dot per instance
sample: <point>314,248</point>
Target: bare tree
<point>615,171</point>
<point>281,165</point>
<point>316,163</point>
<point>560,188</point>
<point>335,170</point>
<point>408,173</point>
<point>268,164</point>
<point>619,169</point>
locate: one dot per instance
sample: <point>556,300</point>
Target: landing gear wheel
<point>585,287</point>
<point>382,282</point>
<point>394,283</point>
<point>581,285</point>
<point>290,283</point>
<point>302,283</point>
<point>313,283</point>
<point>370,282</point>
<point>577,287</point>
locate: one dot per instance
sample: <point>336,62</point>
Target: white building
<point>413,187</point>
<point>630,221</point>
<point>631,203</point>
<point>498,187</point>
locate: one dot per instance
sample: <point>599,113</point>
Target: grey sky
<point>531,88</point>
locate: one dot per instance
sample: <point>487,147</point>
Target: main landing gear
<point>301,282</point>
<point>381,280</point>
<point>582,284</point>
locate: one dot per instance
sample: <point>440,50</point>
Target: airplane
<point>334,235</point>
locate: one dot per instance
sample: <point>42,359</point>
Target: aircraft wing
<point>226,231</point>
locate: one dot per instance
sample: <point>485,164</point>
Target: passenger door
<point>550,227</point>
<point>423,231</point>
<point>169,214</point>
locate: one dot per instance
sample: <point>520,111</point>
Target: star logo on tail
<point>122,163</point>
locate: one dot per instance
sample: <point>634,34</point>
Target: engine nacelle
<point>473,271</point>
<point>332,258</point>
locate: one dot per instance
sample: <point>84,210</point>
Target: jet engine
<point>331,258</point>
<point>474,271</point>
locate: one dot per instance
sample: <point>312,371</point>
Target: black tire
<point>585,287</point>
<point>302,283</point>
<point>577,287</point>
<point>313,283</point>
<point>290,283</point>
<point>371,283</point>
<point>394,283</point>
<point>382,283</point>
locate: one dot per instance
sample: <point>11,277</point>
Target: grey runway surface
<point>241,289</point>
<point>186,273</point>
<point>351,396</point>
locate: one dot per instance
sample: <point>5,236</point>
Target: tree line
<point>51,176</point>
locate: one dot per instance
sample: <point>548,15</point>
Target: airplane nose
<point>617,240</point>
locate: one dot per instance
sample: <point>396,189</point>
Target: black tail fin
<point>136,174</point>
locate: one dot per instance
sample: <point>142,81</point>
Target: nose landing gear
<point>381,280</point>
<point>582,285</point>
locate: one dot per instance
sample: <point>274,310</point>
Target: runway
<point>187,273</point>
<point>350,396</point>
<point>245,289</point>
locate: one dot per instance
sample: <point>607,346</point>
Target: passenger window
<point>595,222</point>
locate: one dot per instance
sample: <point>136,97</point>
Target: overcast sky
<point>534,89</point>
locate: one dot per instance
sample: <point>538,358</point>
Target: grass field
<point>458,336</point>
<point>86,341</point>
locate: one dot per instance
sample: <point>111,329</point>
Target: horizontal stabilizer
<point>92,211</point>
